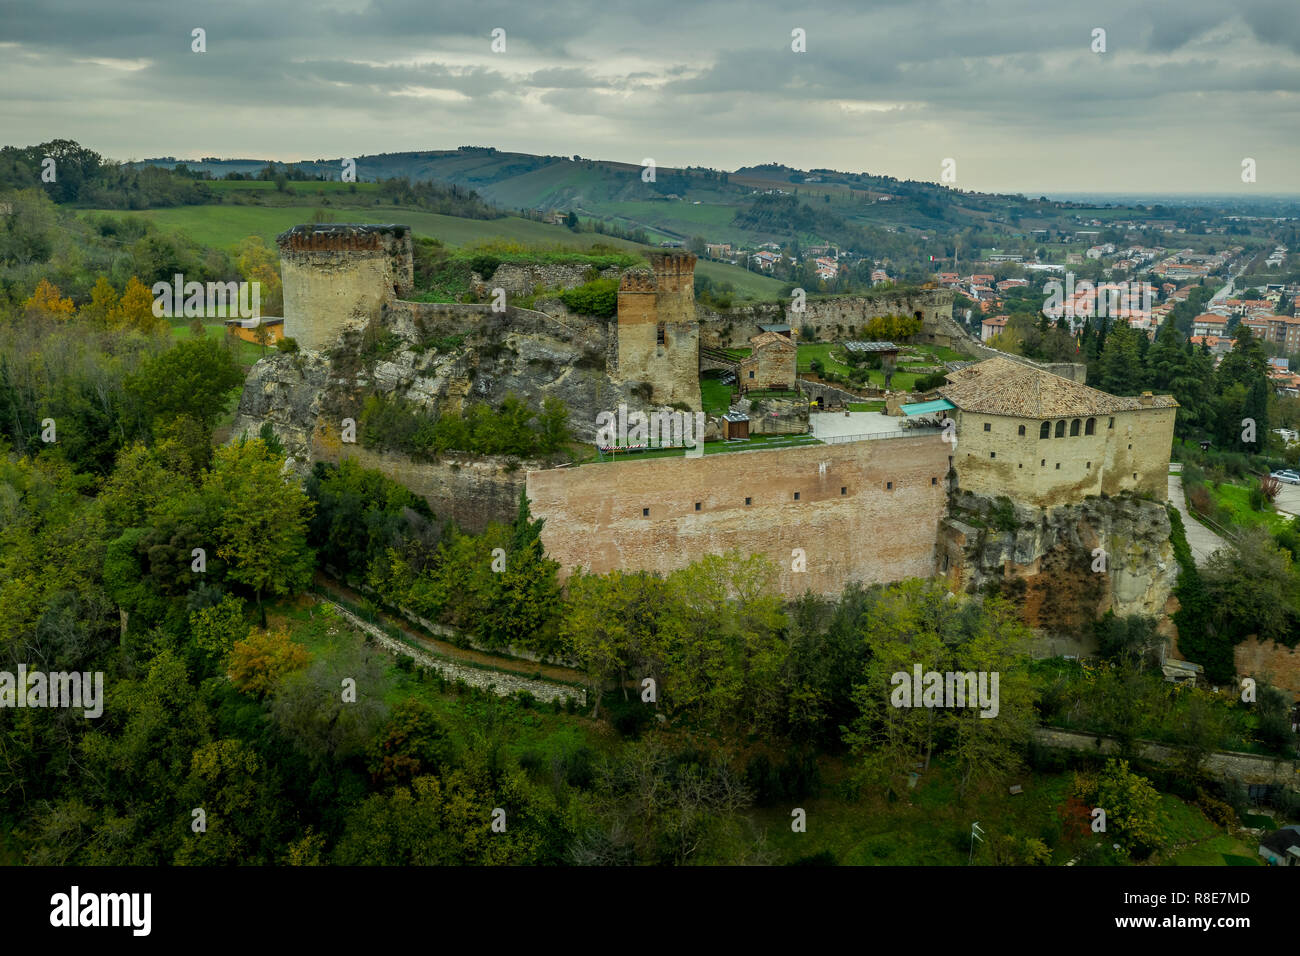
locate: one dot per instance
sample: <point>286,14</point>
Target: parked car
<point>1287,476</point>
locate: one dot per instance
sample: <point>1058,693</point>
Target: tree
<point>527,601</point>
<point>1253,588</point>
<point>411,745</point>
<point>192,378</point>
<point>1121,362</point>
<point>134,311</point>
<point>918,623</point>
<point>216,629</point>
<point>103,300</point>
<point>260,661</point>
<point>48,302</point>
<point>263,525</point>
<point>309,708</point>
<point>258,263</point>
<point>1132,808</point>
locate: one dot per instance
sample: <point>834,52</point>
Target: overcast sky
<point>1010,89</point>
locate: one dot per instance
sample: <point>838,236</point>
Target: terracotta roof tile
<point>1000,386</point>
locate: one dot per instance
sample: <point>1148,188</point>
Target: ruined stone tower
<point>338,276</point>
<point>658,333</point>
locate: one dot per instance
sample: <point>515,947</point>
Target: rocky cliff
<point>1063,566</point>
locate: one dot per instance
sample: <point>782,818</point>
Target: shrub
<point>287,344</point>
<point>485,265</point>
<point>598,297</point>
<point>928,382</point>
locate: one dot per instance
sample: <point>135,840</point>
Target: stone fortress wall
<point>866,511</point>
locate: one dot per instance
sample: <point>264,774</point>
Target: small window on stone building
<point>1058,466</point>
<point>1021,432</point>
<point>1045,430</point>
<point>1074,428</point>
<point>934,481</point>
<point>1091,427</point>
<point>1060,429</point>
<point>796,496</point>
<point>988,427</point>
<point>1087,464</point>
<point>1135,474</point>
<point>749,501</point>
<point>844,491</point>
<point>1130,447</point>
<point>889,486</point>
<point>993,454</point>
<point>751,373</point>
<point>1020,466</point>
<point>659,334</point>
<point>697,506</point>
<point>1112,423</point>
<point>1043,463</point>
<point>645,512</point>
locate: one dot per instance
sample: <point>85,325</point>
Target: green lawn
<point>828,353</point>
<point>1219,850</point>
<point>246,353</point>
<point>866,406</point>
<point>715,396</point>
<point>1234,500</point>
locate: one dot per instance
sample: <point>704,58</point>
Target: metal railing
<point>900,433</point>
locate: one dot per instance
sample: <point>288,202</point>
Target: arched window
<point>1022,430</point>
<point>1045,431</point>
<point>1060,428</point>
<point>1091,427</point>
<point>1074,428</point>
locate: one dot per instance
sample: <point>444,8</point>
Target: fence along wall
<point>867,511</point>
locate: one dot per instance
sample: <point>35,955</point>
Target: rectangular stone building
<point>1045,440</point>
<point>771,363</point>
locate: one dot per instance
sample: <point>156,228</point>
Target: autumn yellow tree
<point>103,300</point>
<point>134,312</point>
<point>258,263</point>
<point>260,661</point>
<point>48,302</point>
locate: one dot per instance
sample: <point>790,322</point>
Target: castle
<point>867,508</point>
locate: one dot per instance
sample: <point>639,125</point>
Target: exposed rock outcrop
<point>1064,566</point>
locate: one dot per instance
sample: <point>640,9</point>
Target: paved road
<point>1200,539</point>
<point>1288,499</point>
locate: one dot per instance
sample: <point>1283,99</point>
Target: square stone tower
<point>658,332</point>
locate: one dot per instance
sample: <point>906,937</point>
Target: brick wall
<point>849,522</point>
<point>665,295</point>
<point>1269,663</point>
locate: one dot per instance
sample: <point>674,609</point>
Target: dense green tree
<point>192,378</point>
<point>262,530</point>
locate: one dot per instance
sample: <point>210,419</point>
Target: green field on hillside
<point>223,226</point>
<point>748,285</point>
